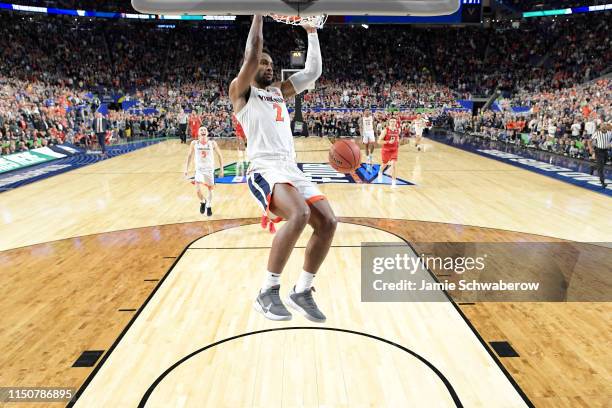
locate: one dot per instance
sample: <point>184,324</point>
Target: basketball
<point>344,156</point>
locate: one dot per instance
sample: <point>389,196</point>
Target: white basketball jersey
<point>267,125</point>
<point>368,124</point>
<point>419,125</point>
<point>204,160</point>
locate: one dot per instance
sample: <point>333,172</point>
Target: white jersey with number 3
<point>267,125</point>
<point>204,159</point>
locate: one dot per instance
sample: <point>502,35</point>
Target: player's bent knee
<point>330,224</point>
<point>326,225</point>
<point>301,215</point>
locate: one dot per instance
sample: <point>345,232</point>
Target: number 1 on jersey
<point>279,112</point>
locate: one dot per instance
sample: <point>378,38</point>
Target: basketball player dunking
<point>273,177</point>
<point>389,138</point>
<point>367,134</point>
<point>202,149</point>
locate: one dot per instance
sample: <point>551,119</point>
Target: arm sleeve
<point>313,67</point>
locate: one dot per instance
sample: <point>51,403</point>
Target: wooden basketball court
<point>115,257</point>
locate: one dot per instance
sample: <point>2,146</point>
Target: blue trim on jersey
<point>262,183</point>
<point>256,193</point>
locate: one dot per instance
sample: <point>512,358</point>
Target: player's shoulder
<point>233,82</point>
<point>275,89</point>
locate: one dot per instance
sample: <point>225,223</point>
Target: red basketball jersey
<point>392,139</point>
<point>194,125</point>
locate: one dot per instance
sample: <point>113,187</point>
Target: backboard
<point>300,7</point>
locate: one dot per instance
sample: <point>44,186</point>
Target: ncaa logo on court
<point>320,173</point>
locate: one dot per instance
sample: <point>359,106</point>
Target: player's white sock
<point>304,281</point>
<point>209,199</point>
<point>270,280</point>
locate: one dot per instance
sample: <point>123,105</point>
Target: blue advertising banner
<point>73,159</point>
<point>562,168</point>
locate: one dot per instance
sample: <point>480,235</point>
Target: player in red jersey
<point>389,138</point>
<point>194,125</point>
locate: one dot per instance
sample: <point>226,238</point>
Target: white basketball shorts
<point>264,175</point>
<point>368,137</point>
<point>206,177</point>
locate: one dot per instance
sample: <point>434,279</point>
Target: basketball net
<point>315,21</point>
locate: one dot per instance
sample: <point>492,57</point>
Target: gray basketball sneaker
<point>269,304</point>
<point>304,303</point>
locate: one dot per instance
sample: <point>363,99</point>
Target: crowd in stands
<point>127,54</point>
<point>56,69</point>
<point>36,115</point>
<point>397,94</point>
<point>537,55</point>
<point>560,121</point>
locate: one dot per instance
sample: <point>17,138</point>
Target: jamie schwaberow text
<point>426,286</point>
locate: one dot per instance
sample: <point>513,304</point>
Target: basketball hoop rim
<point>317,21</point>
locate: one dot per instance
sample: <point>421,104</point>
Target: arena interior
<point>119,290</point>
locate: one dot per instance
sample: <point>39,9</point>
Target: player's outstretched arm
<point>219,158</point>
<point>381,138</point>
<point>298,82</point>
<point>252,55</point>
<point>189,157</point>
